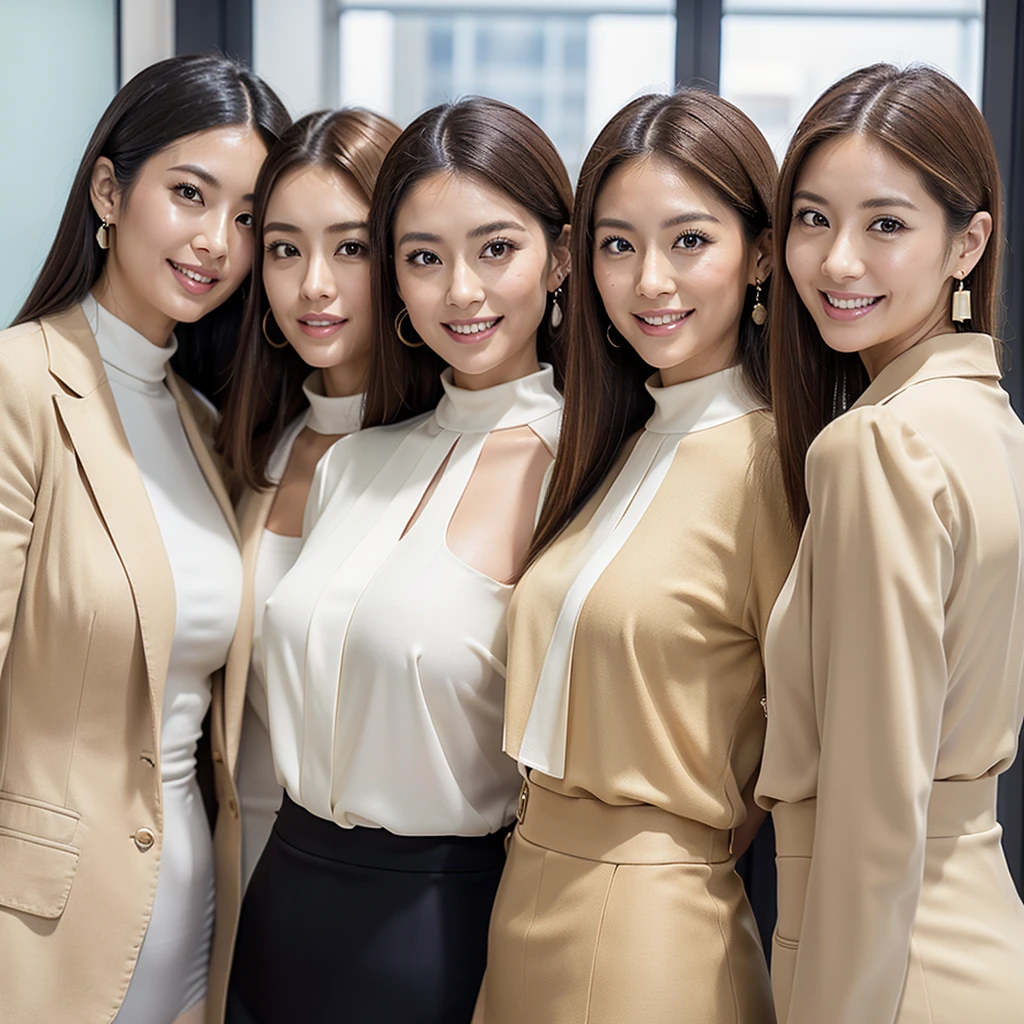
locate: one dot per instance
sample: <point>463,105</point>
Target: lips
<point>660,323</point>
<point>195,280</point>
<point>320,325</point>
<point>847,306</point>
<point>474,331</point>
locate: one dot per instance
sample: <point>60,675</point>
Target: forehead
<point>854,167</point>
<point>316,194</point>
<point>233,154</point>
<point>653,187</point>
<point>452,202</point>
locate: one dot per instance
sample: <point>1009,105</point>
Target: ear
<point>971,245</point>
<point>104,190</point>
<point>759,267</point>
<point>560,262</point>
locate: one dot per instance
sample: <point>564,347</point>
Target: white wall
<point>57,74</point>
<point>288,51</point>
<point>147,34</point>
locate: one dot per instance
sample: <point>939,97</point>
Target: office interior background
<point>569,64</point>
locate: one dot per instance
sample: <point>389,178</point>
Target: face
<point>474,269</point>
<point>181,240</point>
<point>672,265</point>
<point>869,252</point>
<point>316,272</point>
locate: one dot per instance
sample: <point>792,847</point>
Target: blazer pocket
<point>38,858</point>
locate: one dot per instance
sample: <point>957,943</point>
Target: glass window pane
<point>779,55</point>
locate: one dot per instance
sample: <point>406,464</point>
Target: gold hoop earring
<point>270,341</point>
<point>403,315</point>
<point>608,336</point>
<point>758,314</point>
<point>103,235</point>
<point>962,303</point>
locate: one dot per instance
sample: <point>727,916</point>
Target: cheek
<point>801,262</point>
<point>240,255</point>
<point>281,288</point>
<point>353,284</point>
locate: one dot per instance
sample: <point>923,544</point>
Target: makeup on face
<point>672,266</point>
<point>868,250</point>
<point>473,269</point>
<point>316,272</point>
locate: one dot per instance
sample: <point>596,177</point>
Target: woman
<point>635,675</point>
<point>122,580</point>
<point>896,651</point>
<point>385,644</point>
<point>309,307</point>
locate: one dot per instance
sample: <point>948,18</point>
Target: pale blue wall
<point>57,74</point>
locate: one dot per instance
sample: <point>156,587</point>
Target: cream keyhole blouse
<point>385,654</point>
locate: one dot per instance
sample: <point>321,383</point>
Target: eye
<point>423,258</point>
<point>616,245</point>
<point>282,249</point>
<point>351,249</point>
<point>887,225</point>
<point>812,219</point>
<point>498,248</point>
<point>691,240</point>
<point>245,219</point>
<point>189,192</point>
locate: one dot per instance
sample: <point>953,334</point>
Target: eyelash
<point>413,258</point>
<point>607,244</point>
<point>276,247</point>
<point>281,244</point>
<point>891,220</point>
<point>692,234</point>
<point>900,225</point>
<point>182,185</point>
<point>508,243</point>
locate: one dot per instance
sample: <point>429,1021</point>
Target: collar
<point>702,403</point>
<point>945,355</point>
<point>124,348</point>
<point>514,404</point>
<point>331,415</point>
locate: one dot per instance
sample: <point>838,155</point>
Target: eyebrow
<point>496,225</point>
<point>204,175</point>
<point>418,236</point>
<point>689,217</point>
<point>880,203</point>
<point>331,229</point>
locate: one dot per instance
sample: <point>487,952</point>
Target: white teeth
<point>319,323</point>
<point>659,321</point>
<point>191,273</point>
<point>485,325</point>
<point>850,303</point>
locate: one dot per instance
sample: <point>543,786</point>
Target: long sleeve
<point>882,529</point>
<point>18,482</point>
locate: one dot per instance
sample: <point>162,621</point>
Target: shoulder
<point>23,349</point>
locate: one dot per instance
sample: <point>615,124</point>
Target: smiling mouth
<point>476,327</point>
<point>193,274</point>
<point>661,321</point>
<point>862,302</point>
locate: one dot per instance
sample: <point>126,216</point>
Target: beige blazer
<point>895,665</point>
<point>87,614</point>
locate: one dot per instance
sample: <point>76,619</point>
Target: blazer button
<point>144,839</point>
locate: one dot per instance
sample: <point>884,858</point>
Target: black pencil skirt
<point>361,926</point>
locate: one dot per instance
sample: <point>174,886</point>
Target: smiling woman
<point>121,584</point>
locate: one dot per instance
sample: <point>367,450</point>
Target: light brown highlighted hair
<point>720,148</point>
<point>265,391</point>
<point>502,147</point>
<point>930,125</point>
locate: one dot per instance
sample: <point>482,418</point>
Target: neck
<point>118,299</point>
<point>878,357</point>
<point>345,379</point>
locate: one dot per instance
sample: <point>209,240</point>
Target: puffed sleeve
<point>882,529</point>
<point>18,483</point>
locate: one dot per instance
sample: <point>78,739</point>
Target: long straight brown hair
<point>500,146</point>
<point>164,102</point>
<point>929,124</point>
<point>717,145</point>
<point>265,392</point>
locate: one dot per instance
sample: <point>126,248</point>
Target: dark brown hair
<point>930,125</point>
<point>605,399</point>
<point>505,149</point>
<point>265,393</point>
<point>165,102</point>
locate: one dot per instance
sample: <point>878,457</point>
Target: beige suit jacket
<point>87,614</point>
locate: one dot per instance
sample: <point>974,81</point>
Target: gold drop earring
<point>961,302</point>
<point>758,314</point>
<point>103,235</point>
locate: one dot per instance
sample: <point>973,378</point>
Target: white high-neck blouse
<point>385,653</point>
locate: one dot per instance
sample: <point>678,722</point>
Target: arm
<point>882,526</point>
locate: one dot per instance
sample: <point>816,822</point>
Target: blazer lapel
<point>94,428</point>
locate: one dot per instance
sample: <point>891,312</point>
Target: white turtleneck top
<point>385,653</point>
<point>259,792</point>
<point>170,974</point>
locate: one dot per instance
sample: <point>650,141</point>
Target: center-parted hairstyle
<point>165,102</point>
<point>266,394</point>
<point>503,148</point>
<point>718,147</point>
<point>929,124</point>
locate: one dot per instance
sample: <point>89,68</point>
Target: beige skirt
<point>620,915</point>
<point>965,963</point>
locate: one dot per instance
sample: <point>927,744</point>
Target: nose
<point>213,235</point>
<point>318,282</point>
<point>842,261</point>
<point>655,274</point>
<point>465,287</point>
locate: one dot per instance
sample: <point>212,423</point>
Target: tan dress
<point>895,663</point>
<point>642,723</point>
